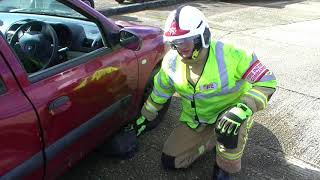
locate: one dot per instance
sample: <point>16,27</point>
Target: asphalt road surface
<point>284,142</point>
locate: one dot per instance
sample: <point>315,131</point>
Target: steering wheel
<point>36,47</point>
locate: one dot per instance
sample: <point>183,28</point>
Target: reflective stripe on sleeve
<point>160,82</point>
<point>268,77</point>
<point>172,62</point>
<point>259,96</point>
<point>150,107</point>
<point>254,59</point>
<point>159,94</point>
<point>171,69</point>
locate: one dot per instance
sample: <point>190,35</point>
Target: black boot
<point>219,174</point>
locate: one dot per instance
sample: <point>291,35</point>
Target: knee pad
<point>168,161</point>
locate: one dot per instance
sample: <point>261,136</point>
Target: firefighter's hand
<point>149,112</point>
<point>140,125</point>
<point>228,124</point>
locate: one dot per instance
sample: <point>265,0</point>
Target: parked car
<point>69,79</point>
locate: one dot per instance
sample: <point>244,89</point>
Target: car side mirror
<point>130,40</point>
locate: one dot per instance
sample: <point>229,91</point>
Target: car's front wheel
<point>124,143</point>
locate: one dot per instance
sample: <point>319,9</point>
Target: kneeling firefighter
<point>221,87</point>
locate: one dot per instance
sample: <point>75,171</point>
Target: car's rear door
<point>20,134</point>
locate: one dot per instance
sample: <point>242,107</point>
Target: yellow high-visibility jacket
<point>228,74</point>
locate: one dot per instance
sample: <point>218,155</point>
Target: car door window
<point>3,88</point>
<point>47,35</point>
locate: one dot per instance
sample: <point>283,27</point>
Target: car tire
<point>124,144</point>
<point>147,92</point>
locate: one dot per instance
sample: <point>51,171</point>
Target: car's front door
<point>81,105</point>
<point>21,152</point>
<point>80,102</point>
<point>79,83</point>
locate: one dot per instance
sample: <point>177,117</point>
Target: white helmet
<point>185,22</point>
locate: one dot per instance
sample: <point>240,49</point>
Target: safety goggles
<point>183,43</point>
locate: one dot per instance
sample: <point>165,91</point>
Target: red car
<point>69,78</point>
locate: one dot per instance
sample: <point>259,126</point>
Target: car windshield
<point>41,7</point>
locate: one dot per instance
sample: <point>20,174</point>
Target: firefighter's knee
<point>168,162</point>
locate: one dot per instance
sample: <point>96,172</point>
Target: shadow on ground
<point>263,159</point>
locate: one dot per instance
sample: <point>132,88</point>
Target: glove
<point>140,125</point>
<point>228,125</point>
<point>149,112</point>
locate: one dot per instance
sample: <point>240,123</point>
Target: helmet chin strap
<point>196,50</point>
<point>194,55</point>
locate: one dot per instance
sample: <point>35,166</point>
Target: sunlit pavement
<point>284,142</point>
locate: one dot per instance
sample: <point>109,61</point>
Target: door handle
<point>59,105</point>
